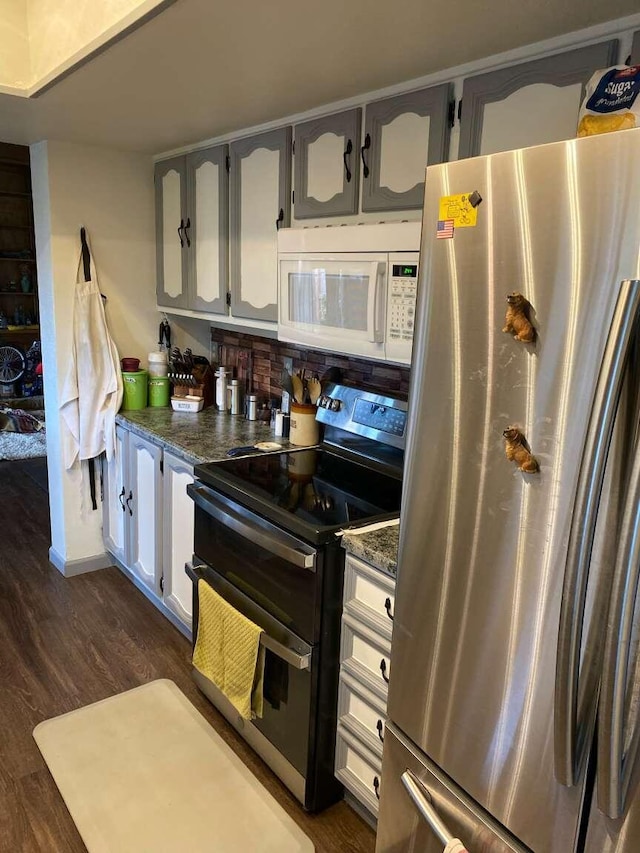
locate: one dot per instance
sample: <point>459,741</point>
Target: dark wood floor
<point>66,642</point>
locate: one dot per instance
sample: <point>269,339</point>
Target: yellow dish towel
<point>228,652</point>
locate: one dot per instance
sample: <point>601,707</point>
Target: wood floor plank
<point>67,642</point>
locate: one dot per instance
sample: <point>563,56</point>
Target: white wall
<point>15,66</point>
<point>111,193</point>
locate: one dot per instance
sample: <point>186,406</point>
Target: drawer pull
<point>120,496</point>
<point>376,786</point>
<point>380,728</point>
<point>387,607</point>
<point>383,669</point>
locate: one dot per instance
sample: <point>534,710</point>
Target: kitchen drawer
<point>365,655</point>
<point>362,713</point>
<point>369,595</point>
<point>358,769</point>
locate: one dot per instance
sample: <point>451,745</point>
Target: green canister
<point>134,390</point>
<point>159,391</point>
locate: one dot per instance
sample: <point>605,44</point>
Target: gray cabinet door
<point>528,104</point>
<point>171,238</point>
<point>208,234</point>
<point>402,135</point>
<point>260,196</point>
<point>327,166</point>
<point>635,49</point>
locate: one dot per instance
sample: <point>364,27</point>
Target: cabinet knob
<point>120,498</point>
<point>380,728</point>
<point>376,786</point>
<point>186,231</point>
<point>129,499</point>
<point>280,219</point>
<point>180,229</point>
<point>387,607</point>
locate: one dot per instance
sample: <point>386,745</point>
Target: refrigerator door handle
<point>572,723</point>
<point>615,763</point>
<point>422,801</point>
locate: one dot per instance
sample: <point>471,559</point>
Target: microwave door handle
<point>374,303</point>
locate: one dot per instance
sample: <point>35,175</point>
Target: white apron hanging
<point>92,391</point>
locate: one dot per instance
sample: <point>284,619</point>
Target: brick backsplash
<point>268,360</point>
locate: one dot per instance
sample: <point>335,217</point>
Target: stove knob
<point>323,402</point>
<point>335,405</point>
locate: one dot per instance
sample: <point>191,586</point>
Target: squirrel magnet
<point>517,451</point>
<point>517,320</point>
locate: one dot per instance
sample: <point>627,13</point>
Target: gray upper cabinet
<point>171,236</point>
<point>530,103</point>
<point>260,194</point>
<point>635,49</point>
<point>403,135</point>
<point>192,231</point>
<point>327,165</point>
<point>208,213</point>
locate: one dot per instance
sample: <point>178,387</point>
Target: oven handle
<point>288,655</point>
<point>205,500</point>
<point>297,661</point>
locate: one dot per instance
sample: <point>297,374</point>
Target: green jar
<point>159,391</point>
<point>134,390</point>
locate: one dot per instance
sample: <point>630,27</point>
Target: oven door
<point>282,734</point>
<point>271,567</point>
<point>334,302</point>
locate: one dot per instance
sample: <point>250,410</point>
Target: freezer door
<point>483,544</point>
<point>421,810</point>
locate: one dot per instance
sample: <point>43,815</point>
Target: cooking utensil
<point>315,390</point>
<point>285,382</point>
<point>298,388</point>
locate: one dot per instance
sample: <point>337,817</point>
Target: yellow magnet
<point>459,209</point>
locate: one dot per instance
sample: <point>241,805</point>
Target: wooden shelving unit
<point>17,248</point>
<point>19,326</point>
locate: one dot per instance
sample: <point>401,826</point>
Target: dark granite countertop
<point>204,436</point>
<point>379,547</point>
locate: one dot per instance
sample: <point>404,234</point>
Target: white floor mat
<point>144,771</point>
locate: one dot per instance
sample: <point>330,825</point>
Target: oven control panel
<point>364,413</point>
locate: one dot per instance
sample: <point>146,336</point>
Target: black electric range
<point>267,539</point>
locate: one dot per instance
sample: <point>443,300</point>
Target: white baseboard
<point>70,568</point>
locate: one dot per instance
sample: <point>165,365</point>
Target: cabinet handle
<point>347,153</point>
<point>186,231</point>
<point>130,498</point>
<point>387,607</point>
<point>280,219</point>
<point>120,496</point>
<point>365,147</point>
<point>383,670</point>
<point>180,227</point>
<point>380,727</point>
<point>376,786</point>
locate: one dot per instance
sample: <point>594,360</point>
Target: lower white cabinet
<point>177,541</point>
<point>148,522</point>
<point>365,664</point>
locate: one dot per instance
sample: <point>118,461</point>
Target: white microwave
<point>350,289</point>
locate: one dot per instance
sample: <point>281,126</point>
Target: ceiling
<point>203,68</point>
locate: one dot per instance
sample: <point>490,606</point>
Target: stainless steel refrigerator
<point>513,719</point>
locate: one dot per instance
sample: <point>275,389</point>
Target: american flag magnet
<point>444,230</point>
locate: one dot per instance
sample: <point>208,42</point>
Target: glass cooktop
<point>314,489</point>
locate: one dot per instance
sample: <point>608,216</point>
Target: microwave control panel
<point>401,305</point>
